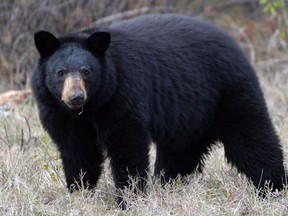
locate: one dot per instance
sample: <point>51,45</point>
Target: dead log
<point>14,97</point>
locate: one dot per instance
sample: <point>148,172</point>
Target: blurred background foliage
<point>260,26</point>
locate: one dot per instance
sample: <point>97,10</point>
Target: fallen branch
<point>128,14</point>
<point>232,3</point>
<point>14,97</point>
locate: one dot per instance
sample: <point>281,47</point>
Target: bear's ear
<point>46,43</point>
<point>98,42</point>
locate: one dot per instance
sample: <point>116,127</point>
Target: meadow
<point>31,174</point>
<point>32,179</point>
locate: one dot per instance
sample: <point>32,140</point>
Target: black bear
<point>172,80</point>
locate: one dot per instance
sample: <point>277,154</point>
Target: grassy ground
<point>32,180</point>
<point>31,175</point>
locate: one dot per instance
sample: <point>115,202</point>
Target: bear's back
<point>168,37</point>
<point>166,24</point>
<point>172,57</point>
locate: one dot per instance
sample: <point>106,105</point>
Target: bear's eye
<point>60,72</point>
<point>85,71</point>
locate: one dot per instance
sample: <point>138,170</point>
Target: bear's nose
<point>77,98</point>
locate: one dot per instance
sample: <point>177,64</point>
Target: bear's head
<point>72,65</point>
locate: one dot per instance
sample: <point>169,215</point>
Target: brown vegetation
<point>20,19</point>
<point>31,176</point>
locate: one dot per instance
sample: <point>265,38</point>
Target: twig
<point>7,136</point>
<point>22,140</point>
<point>251,47</point>
<point>285,12</point>
<point>22,135</point>
<point>248,42</point>
<point>272,61</point>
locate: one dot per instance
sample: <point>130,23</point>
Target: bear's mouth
<point>75,108</point>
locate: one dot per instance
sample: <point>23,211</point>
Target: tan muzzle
<point>74,93</point>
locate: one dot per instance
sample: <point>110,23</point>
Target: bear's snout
<point>77,99</point>
<point>74,93</point>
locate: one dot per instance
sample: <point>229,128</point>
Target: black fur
<point>172,80</point>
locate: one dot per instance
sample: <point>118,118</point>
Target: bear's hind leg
<point>252,146</point>
<point>128,150</point>
<point>184,161</point>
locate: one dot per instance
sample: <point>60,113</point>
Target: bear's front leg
<point>82,167</point>
<point>82,157</point>
<point>128,149</point>
<point>76,140</point>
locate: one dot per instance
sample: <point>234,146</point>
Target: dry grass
<point>32,180</point>
<point>31,176</point>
